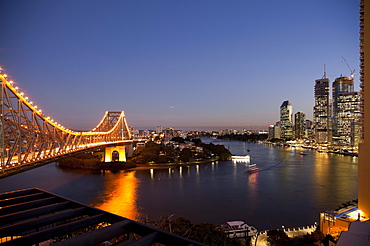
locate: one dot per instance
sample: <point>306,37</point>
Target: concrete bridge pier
<point>118,153</point>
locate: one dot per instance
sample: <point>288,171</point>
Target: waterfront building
<point>341,220</point>
<point>274,131</point>
<point>286,120</point>
<point>340,85</point>
<point>300,125</point>
<point>321,110</point>
<point>271,132</point>
<point>348,119</point>
<point>309,129</point>
<point>364,146</point>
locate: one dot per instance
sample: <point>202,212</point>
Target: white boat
<point>240,158</point>
<point>252,168</point>
<point>239,229</point>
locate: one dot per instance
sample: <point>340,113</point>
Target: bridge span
<point>28,136</point>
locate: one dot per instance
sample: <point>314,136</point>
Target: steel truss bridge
<point>27,136</point>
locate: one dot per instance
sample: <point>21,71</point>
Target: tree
<point>185,155</point>
<point>196,141</point>
<point>178,139</point>
<point>277,238</point>
<point>208,234</point>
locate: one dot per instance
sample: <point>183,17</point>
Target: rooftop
<point>34,216</point>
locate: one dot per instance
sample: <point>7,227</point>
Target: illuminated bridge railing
<point>28,136</point>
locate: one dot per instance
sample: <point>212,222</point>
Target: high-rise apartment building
<point>321,111</point>
<point>348,118</point>
<point>364,147</point>
<point>300,125</point>
<point>340,85</point>
<point>158,129</point>
<point>286,120</point>
<point>309,130</point>
<point>274,131</point>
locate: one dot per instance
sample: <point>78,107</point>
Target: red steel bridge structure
<point>28,136</point>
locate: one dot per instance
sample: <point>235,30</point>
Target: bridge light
<point>26,98</point>
<point>16,88</point>
<point>5,75</point>
<point>11,81</point>
<point>22,93</point>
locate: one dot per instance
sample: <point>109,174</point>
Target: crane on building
<point>351,70</point>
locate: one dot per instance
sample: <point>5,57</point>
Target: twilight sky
<point>177,63</point>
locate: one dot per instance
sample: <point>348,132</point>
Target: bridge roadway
<point>53,154</point>
<point>49,156</point>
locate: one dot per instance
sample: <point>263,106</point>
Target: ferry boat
<point>238,229</point>
<point>241,158</point>
<point>252,168</point>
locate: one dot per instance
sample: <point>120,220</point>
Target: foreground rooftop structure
<point>36,217</point>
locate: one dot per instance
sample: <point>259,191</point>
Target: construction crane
<point>352,71</point>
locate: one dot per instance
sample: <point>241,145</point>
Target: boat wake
<point>254,169</point>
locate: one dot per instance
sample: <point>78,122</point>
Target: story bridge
<point>27,136</point>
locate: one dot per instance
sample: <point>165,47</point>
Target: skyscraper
<point>348,118</point>
<point>286,121</point>
<point>340,85</point>
<point>299,125</point>
<point>321,110</point>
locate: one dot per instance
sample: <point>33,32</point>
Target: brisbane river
<point>290,190</point>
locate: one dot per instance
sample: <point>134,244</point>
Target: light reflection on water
<point>291,190</point>
<point>120,195</point>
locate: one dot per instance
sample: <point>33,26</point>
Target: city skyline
<point>177,64</point>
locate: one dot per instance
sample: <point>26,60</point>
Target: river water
<point>290,190</point>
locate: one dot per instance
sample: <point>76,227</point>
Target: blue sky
<point>176,63</point>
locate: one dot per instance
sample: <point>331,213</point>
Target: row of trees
<point>208,234</point>
<point>158,153</point>
<point>91,160</point>
<point>211,234</point>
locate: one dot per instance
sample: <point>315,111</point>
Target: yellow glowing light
<point>121,196</point>
<point>5,75</point>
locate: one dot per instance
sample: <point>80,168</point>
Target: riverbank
<point>168,165</point>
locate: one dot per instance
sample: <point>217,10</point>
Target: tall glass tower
<point>300,125</point>
<point>321,110</point>
<point>340,85</point>
<point>286,120</point>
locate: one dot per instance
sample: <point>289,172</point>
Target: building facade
<point>348,118</point>
<point>300,125</point>
<point>364,147</point>
<point>340,85</point>
<point>286,120</point>
<point>321,111</point>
